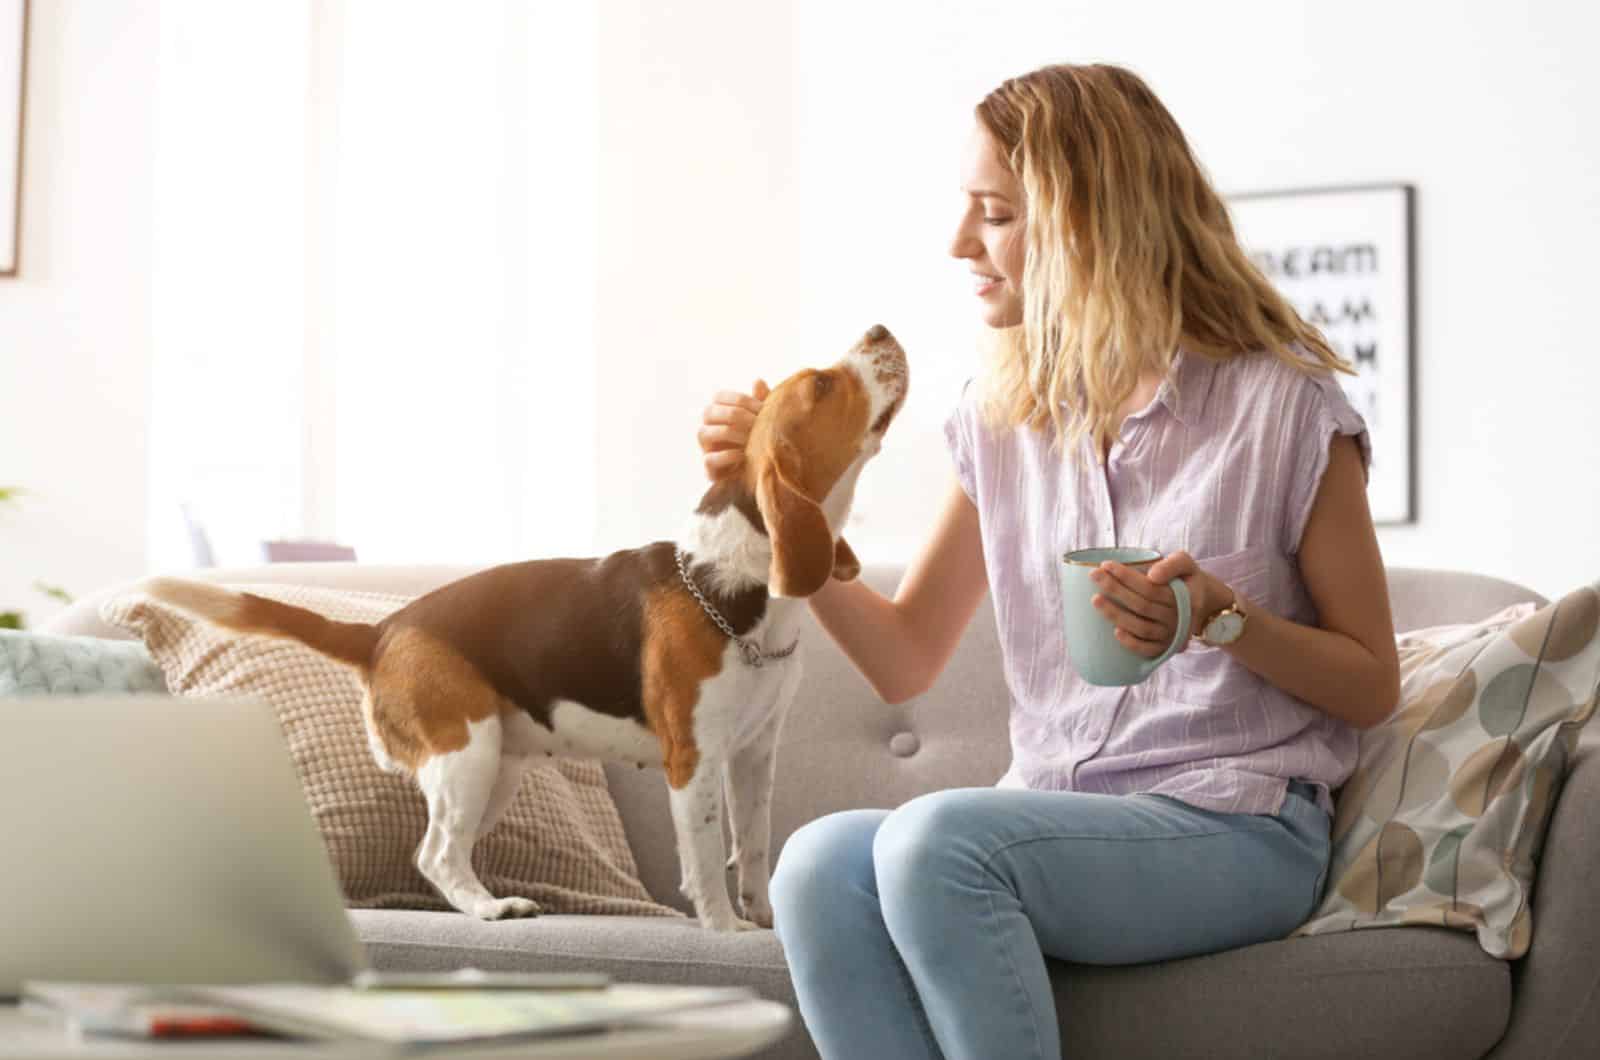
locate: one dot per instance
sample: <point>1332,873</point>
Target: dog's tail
<point>351,643</point>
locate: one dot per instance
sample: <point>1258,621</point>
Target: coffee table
<point>697,1034</point>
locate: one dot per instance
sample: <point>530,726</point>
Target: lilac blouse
<point>1224,462</point>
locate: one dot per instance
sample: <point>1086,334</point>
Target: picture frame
<point>1344,257</point>
<point>13,94</point>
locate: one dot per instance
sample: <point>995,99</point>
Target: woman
<point>1148,388</point>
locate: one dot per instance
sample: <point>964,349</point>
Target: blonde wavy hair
<point>1130,254</point>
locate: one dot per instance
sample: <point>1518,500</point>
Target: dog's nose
<point>879,348</point>
<point>881,364</point>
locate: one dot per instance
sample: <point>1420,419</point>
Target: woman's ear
<point>845,564</point>
<point>802,544</point>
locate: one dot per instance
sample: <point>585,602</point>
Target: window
<point>375,283</point>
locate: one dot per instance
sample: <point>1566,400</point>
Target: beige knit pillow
<point>561,843</point>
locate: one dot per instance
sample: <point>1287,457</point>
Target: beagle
<point>679,653</point>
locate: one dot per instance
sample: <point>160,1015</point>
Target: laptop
<point>156,839</point>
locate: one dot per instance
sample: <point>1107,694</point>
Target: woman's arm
<point>901,645</point>
<point>1346,666</point>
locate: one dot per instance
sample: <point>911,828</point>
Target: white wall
<point>75,326</point>
<point>1489,112</point>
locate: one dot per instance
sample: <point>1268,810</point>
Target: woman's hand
<point>1148,613</point>
<point>725,427</point>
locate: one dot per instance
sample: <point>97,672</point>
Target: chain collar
<point>753,655</point>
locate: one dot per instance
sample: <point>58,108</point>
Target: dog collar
<point>753,655</point>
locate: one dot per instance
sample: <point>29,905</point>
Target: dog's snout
<point>879,346</point>
<point>881,364</point>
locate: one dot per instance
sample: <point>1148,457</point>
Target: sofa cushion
<point>1419,993</point>
<point>560,843</point>
<point>1443,818</point>
<point>1416,993</point>
<point>637,948</point>
<point>45,664</point>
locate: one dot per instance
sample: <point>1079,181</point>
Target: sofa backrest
<point>841,748</point>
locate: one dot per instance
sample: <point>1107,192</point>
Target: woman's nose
<point>965,244</point>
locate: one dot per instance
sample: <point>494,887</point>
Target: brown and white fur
<point>612,658</point>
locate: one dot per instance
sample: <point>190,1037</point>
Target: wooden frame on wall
<point>13,99</point>
<point>1345,258</point>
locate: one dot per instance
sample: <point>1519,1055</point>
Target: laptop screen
<point>159,839</point>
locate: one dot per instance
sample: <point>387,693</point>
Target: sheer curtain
<point>415,377</point>
<point>228,306</point>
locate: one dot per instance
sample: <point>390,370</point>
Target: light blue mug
<point>1099,657</point>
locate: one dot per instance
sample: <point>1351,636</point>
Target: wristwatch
<point>1224,627</point>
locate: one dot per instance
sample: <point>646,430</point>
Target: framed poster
<point>1343,258</point>
<point>13,78</point>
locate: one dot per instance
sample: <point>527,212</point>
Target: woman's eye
<point>997,220</point>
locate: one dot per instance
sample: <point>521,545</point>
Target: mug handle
<point>1180,589</point>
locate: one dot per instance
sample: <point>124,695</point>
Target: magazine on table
<point>398,1015</point>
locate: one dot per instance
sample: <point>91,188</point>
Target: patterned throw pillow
<point>561,843</point>
<point>1442,820</point>
<point>44,664</point>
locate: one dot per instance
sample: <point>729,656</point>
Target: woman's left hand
<point>1148,615</point>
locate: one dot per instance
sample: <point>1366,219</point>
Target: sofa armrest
<point>1555,1009</point>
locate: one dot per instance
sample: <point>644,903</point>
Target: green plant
<point>14,619</point>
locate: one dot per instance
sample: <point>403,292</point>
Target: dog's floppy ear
<point>845,564</point>
<point>802,544</point>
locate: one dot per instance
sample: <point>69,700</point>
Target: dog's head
<point>815,432</point>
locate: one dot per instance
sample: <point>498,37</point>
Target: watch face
<point>1225,628</point>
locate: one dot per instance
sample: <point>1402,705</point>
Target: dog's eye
<point>821,383</point>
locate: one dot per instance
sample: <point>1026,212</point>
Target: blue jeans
<point>922,931</point>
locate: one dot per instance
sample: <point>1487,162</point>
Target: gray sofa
<point>1412,992</point>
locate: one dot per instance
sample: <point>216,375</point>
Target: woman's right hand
<point>725,427</point>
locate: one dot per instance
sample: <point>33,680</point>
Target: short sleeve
<point>1325,412</point>
<point>958,435</point>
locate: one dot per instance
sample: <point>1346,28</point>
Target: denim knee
<point>919,845</point>
<point>822,862</point>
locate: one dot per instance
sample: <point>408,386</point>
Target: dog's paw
<point>731,923</point>
<point>758,912</point>
<point>505,908</point>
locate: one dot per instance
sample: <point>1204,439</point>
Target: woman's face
<point>990,236</point>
